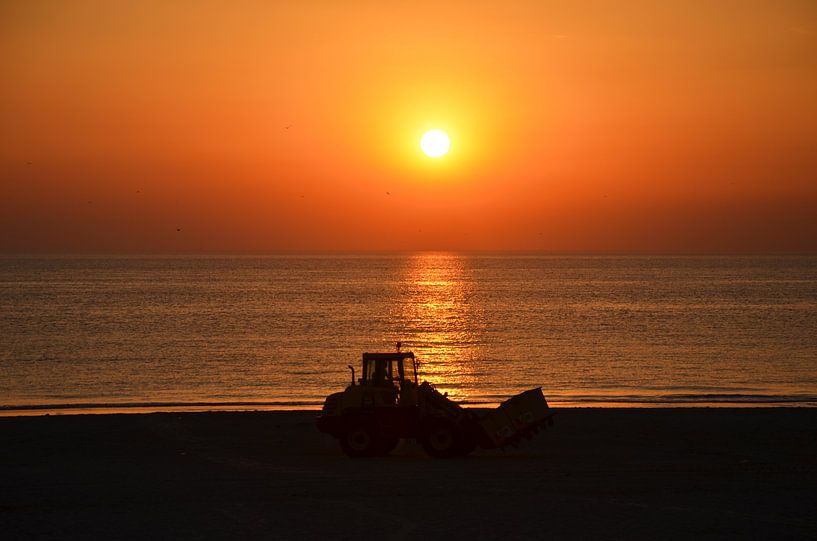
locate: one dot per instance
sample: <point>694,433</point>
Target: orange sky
<point>605,125</point>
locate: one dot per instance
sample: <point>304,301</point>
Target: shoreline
<point>36,410</point>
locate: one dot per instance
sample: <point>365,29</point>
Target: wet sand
<point>597,473</point>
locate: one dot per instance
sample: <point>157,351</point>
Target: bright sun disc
<point>435,143</point>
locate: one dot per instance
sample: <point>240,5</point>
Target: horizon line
<point>236,253</point>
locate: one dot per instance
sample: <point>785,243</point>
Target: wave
<point>686,398</point>
<point>159,405</point>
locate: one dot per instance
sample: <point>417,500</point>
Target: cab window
<point>380,372</point>
<point>408,369</point>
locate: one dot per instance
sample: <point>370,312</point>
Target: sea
<point>279,331</point>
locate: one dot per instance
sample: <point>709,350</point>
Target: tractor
<point>387,404</point>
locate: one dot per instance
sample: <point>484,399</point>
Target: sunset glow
<point>247,126</point>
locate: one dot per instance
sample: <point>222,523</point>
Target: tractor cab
<point>391,376</point>
<point>387,380</point>
<point>388,369</point>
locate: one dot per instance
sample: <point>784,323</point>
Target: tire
<point>441,439</point>
<point>360,440</point>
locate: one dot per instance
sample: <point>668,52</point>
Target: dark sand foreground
<point>611,473</point>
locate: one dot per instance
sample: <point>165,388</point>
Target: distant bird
<point>28,163</point>
<point>288,126</point>
<point>138,191</point>
<point>178,229</point>
<point>388,193</point>
<point>302,196</point>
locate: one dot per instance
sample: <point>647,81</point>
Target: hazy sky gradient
<point>241,126</point>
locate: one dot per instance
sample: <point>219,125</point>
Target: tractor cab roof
<point>387,356</point>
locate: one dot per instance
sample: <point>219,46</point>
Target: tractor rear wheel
<point>360,440</point>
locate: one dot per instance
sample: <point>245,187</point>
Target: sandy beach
<point>597,473</point>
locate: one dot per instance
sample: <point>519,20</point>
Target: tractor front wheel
<point>441,439</point>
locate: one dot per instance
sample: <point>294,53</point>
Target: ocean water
<point>278,331</point>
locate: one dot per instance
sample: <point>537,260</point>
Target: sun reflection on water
<point>440,324</point>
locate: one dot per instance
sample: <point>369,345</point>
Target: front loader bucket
<point>518,417</point>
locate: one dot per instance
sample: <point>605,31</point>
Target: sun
<point>435,143</point>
